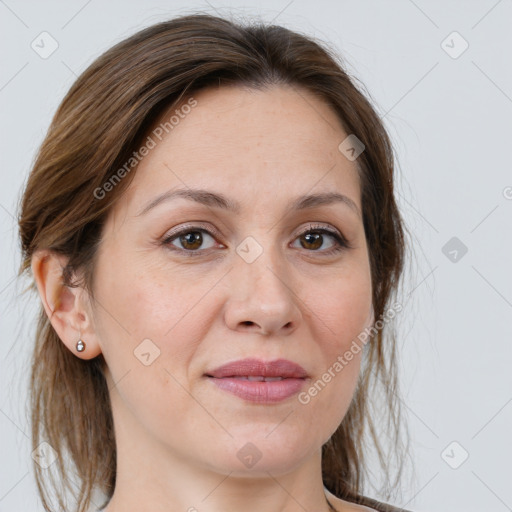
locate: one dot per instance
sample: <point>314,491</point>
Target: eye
<point>314,238</point>
<point>190,239</point>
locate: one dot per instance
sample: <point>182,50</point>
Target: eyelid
<point>191,226</point>
<point>213,231</point>
<point>313,226</point>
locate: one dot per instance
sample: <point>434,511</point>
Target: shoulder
<point>372,505</point>
<point>346,506</point>
<point>352,507</point>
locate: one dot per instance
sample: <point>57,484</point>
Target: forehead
<point>279,142</point>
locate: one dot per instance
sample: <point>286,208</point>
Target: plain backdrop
<point>440,75</point>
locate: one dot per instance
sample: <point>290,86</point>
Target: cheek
<point>340,313</point>
<point>140,301</point>
<point>144,300</point>
<point>344,307</point>
<point>151,328</point>
<point>348,315</point>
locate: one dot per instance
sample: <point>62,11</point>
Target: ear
<point>67,308</point>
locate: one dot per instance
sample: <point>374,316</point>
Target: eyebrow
<point>217,200</point>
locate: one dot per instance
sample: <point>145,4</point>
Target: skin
<point>177,434</point>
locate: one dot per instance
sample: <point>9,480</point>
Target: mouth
<point>257,378</point>
<point>251,367</point>
<point>258,381</point>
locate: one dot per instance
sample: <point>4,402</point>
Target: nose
<point>262,298</point>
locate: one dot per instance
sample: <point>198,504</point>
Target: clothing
<point>380,506</point>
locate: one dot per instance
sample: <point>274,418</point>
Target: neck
<point>152,478</point>
<point>185,487</point>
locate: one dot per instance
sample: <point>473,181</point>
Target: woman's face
<point>251,277</point>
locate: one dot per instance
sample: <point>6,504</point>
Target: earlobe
<point>62,304</point>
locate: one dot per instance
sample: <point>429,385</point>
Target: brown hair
<point>104,117</point>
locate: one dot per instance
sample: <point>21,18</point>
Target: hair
<point>102,120</point>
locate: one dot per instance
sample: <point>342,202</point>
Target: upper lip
<point>256,367</point>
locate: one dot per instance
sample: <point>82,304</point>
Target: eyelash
<point>342,243</point>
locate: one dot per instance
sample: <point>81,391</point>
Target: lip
<point>254,367</point>
<point>233,378</point>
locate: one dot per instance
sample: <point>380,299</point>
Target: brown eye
<point>313,239</point>
<point>190,240</point>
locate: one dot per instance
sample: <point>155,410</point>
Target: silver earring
<point>80,345</point>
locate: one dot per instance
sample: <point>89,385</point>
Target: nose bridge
<point>260,266</point>
<point>261,289</point>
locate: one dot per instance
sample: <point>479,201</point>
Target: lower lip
<point>260,391</point>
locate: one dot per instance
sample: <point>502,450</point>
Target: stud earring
<point>80,345</point>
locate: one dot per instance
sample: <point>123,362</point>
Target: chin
<point>255,454</point>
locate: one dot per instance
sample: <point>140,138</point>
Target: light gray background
<point>450,121</point>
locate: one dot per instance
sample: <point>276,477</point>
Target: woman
<point>211,227</point>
